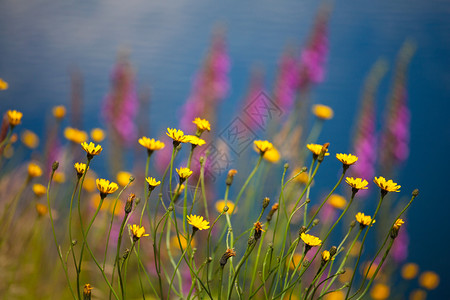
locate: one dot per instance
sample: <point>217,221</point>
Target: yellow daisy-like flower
<point>29,139</point>
<point>347,159</point>
<point>75,135</point>
<point>322,111</point>
<point>195,140</point>
<point>59,111</point>
<point>316,149</point>
<point>152,183</point>
<point>184,173</point>
<point>97,135</point>
<point>198,222</point>
<point>177,136</point>
<point>263,146</point>
<point>337,201</point>
<point>105,187</point>
<point>14,117</point>
<point>39,190</point>
<point>220,205</point>
<point>151,144</point>
<point>34,170</point>
<point>87,291</point>
<point>399,223</point>
<point>387,185</point>
<point>41,209</point>
<point>80,168</point>
<point>123,178</point>
<point>3,85</point>
<point>272,155</point>
<point>310,240</point>
<point>91,149</point>
<point>357,183</point>
<point>326,255</point>
<point>137,232</point>
<point>363,219</point>
<point>202,124</point>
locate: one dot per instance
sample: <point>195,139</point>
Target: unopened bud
<point>333,251</point>
<point>315,222</point>
<point>125,254</point>
<point>266,202</point>
<point>272,211</point>
<point>229,253</point>
<point>129,204</point>
<point>352,224</point>
<point>304,169</point>
<point>301,230</point>
<point>415,193</point>
<point>55,165</point>
<point>286,166</point>
<point>308,200</point>
<point>251,240</point>
<point>230,176</point>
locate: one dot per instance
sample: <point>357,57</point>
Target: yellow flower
<point>175,244</point>
<point>105,187</point>
<point>34,170</point>
<point>59,111</point>
<point>429,280</point>
<point>380,291</point>
<point>91,149</point>
<point>97,135</point>
<point>14,117</point>
<point>151,144</point>
<point>347,159</point>
<point>336,295</point>
<point>399,223</point>
<point>3,85</point>
<point>388,186</point>
<point>316,149</point>
<point>202,124</point>
<point>59,177</point>
<point>137,232</point>
<point>39,190</point>
<point>89,183</point>
<point>409,271</point>
<point>75,135</point>
<point>41,209</point>
<point>195,140</point>
<point>30,139</point>
<point>221,204</point>
<point>197,222</point>
<point>263,146</point>
<point>363,219</point>
<point>326,255</point>
<point>87,291</point>
<point>296,259</point>
<point>272,155</point>
<point>302,177</point>
<point>322,111</point>
<point>177,136</point>
<point>80,168</point>
<point>184,173</point>
<point>337,201</point>
<point>123,178</point>
<point>152,183</point>
<point>310,240</point>
<point>418,294</point>
<point>357,183</point>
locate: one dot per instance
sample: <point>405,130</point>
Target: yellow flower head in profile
<point>337,201</point>
<point>347,159</point>
<point>195,140</point>
<point>220,205</point>
<point>29,139</point>
<point>357,183</point>
<point>363,220</point>
<point>380,291</point>
<point>429,280</point>
<point>263,146</point>
<point>137,232</point>
<point>41,209</point>
<point>59,111</point>
<point>91,149</point>
<point>123,178</point>
<point>80,168</point>
<point>409,271</point>
<point>184,173</point>
<point>177,136</point>
<point>310,240</point>
<point>151,144</point>
<point>202,124</point>
<point>197,222</point>
<point>75,135</point>
<point>14,117</point>
<point>105,187</point>
<point>326,255</point>
<point>87,291</point>
<point>3,85</point>
<point>272,155</point>
<point>152,183</point>
<point>316,149</point>
<point>322,111</point>
<point>399,223</point>
<point>34,170</point>
<point>387,185</point>
<point>97,135</point>
<point>39,190</point>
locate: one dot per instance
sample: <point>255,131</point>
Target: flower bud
<point>229,253</point>
<point>129,204</point>
<point>415,193</point>
<point>266,202</point>
<point>55,165</point>
<point>301,230</point>
<point>230,177</point>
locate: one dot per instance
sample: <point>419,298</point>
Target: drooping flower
<point>34,170</point>
<point>347,159</point>
<point>357,183</point>
<point>91,149</point>
<point>364,220</point>
<point>387,185</point>
<point>137,232</point>
<point>197,222</point>
<point>263,146</point>
<point>75,135</point>
<point>323,112</point>
<point>14,117</point>
<point>105,187</point>
<point>310,240</point>
<point>202,124</point>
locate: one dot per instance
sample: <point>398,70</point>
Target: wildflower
<point>336,295</point>
<point>316,149</point>
<point>41,209</point>
<point>409,271</point>
<point>137,232</point>
<point>59,177</point>
<point>258,230</point>
<point>197,222</point>
<point>177,136</point>
<point>220,206</point>
<point>296,259</point>
<point>323,112</point>
<point>3,85</point>
<point>151,144</point>
<point>230,176</point>
<point>325,256</point>
<point>195,140</point>
<point>75,135</point>
<point>178,190</point>
<point>123,178</point>
<point>87,291</point>
<point>429,280</point>
<point>184,173</point>
<point>89,183</point>
<point>105,187</point>
<point>129,203</point>
<point>380,291</point>
<point>337,201</point>
<point>272,211</point>
<point>272,155</point>
<point>91,149</point>
<point>356,183</point>
<point>386,186</point>
<point>29,139</point>
<point>364,220</point>
<point>59,111</point>
<point>228,253</point>
<point>14,117</point>
<point>39,190</point>
<point>263,146</point>
<point>80,168</point>
<point>347,159</point>
<point>176,244</point>
<point>310,240</point>
<point>202,124</point>
<point>34,170</point>
<point>152,183</point>
<point>302,177</point>
<point>97,135</point>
